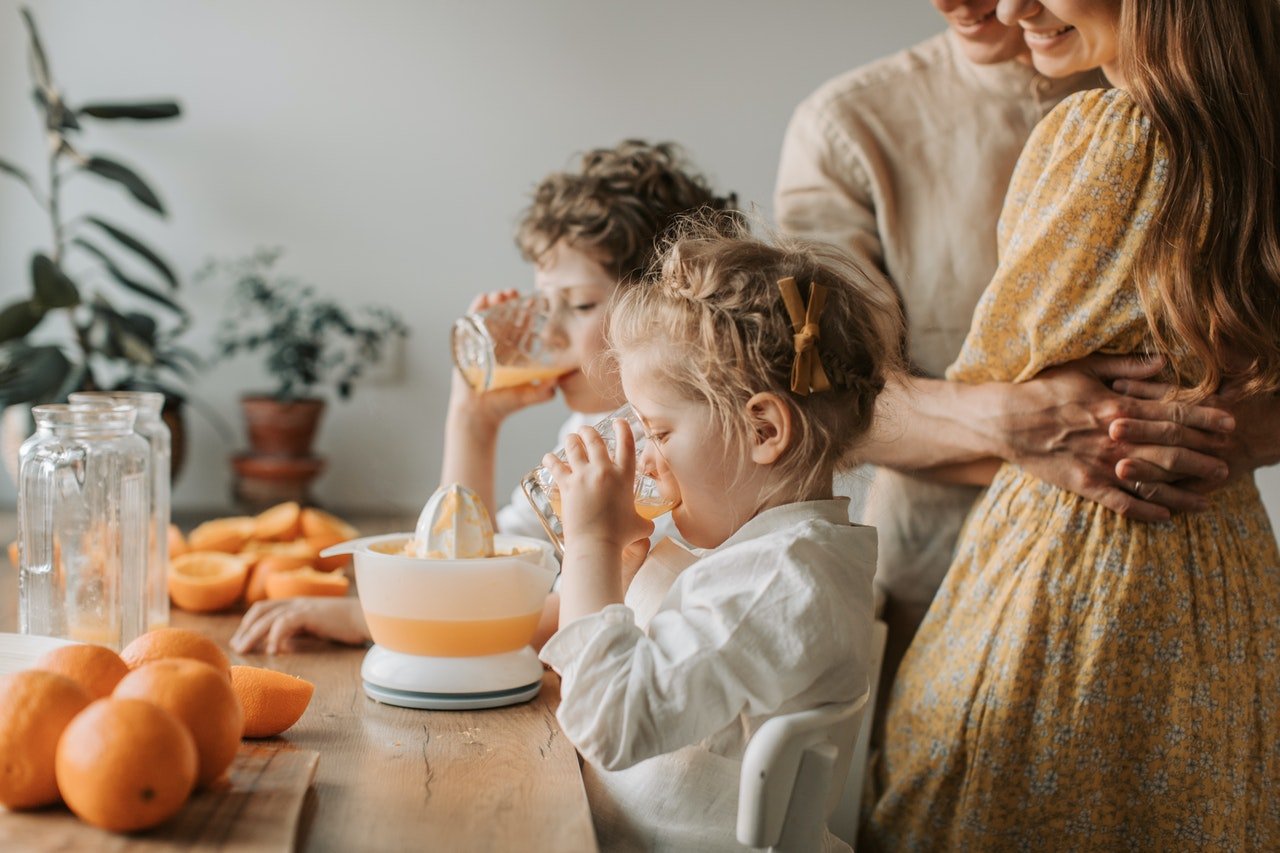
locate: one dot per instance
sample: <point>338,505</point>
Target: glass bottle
<point>83,484</point>
<point>151,426</point>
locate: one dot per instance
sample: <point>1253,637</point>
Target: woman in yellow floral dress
<point>1084,682</point>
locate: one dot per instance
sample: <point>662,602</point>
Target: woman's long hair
<point>1207,74</point>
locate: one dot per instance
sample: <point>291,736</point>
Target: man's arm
<point>1056,427</point>
<point>1254,444</point>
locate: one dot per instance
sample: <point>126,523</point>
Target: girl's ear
<point>770,419</point>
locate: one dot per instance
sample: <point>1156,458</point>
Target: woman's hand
<point>1069,427</point>
<point>272,625</point>
<point>1253,444</point>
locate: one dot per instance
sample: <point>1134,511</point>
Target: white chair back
<point>843,822</point>
<point>792,774</point>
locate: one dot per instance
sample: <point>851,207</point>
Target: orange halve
<point>305,582</point>
<point>272,701</point>
<point>228,535</point>
<point>278,524</point>
<point>256,589</point>
<point>206,581</point>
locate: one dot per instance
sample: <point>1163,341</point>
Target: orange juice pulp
<point>509,377</point>
<point>452,638</point>
<point>646,508</point>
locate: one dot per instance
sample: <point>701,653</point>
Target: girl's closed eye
<point>584,308</point>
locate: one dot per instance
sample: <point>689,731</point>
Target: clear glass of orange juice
<point>540,487</point>
<point>508,344</point>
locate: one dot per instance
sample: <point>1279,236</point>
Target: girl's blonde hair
<point>712,314</point>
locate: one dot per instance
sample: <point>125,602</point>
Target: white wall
<point>389,146</point>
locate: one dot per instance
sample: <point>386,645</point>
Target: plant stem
<point>55,182</point>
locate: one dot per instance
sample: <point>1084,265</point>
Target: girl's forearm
<point>590,579</point>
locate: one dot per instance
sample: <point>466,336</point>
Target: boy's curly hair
<point>713,317</point>
<point>620,206</point>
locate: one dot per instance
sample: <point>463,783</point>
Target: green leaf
<point>131,180</point>
<point>139,248</point>
<point>10,169</point>
<point>121,341</point>
<point>39,63</point>
<point>132,284</point>
<point>19,318</point>
<point>52,287</point>
<point>142,111</point>
<point>31,374</point>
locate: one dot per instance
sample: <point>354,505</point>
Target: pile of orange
<point>124,739</point>
<point>275,554</point>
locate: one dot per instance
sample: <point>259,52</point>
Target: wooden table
<point>398,779</point>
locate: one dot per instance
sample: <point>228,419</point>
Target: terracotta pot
<point>281,428</point>
<point>264,481</point>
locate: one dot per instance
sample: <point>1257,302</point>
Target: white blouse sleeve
<point>737,644</point>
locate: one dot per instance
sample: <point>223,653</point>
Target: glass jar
<point>83,483</point>
<point>151,426</point>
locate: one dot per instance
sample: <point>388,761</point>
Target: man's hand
<point>1060,427</point>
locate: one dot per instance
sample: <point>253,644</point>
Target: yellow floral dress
<point>1084,682</point>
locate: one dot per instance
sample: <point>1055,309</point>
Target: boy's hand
<point>272,625</point>
<point>491,408</point>
<point>597,490</point>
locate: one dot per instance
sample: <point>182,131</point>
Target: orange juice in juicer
<point>452,608</point>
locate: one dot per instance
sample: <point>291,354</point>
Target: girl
<point>588,233</point>
<point>754,369</point>
<point>1083,682</point>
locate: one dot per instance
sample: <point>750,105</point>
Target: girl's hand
<point>491,408</point>
<point>597,490</point>
<point>272,625</point>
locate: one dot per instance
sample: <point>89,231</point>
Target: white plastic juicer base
<point>439,683</point>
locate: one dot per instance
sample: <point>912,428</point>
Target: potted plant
<point>89,320</point>
<point>309,344</point>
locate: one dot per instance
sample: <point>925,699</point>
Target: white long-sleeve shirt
<point>775,620</point>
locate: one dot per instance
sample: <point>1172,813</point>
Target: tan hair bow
<point>807,375</point>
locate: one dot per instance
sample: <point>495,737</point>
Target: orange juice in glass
<point>540,487</point>
<point>508,345</point>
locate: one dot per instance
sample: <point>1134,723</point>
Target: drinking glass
<point>540,487</point>
<point>151,426</point>
<point>508,345</point>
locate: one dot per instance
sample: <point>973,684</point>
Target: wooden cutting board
<point>257,813</point>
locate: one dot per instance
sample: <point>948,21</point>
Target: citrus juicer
<point>451,628</point>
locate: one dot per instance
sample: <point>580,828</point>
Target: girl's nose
<point>1011,11</point>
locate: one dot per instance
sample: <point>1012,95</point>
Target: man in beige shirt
<point>905,163</point>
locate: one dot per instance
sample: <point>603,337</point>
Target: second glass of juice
<point>540,487</point>
<point>508,344</point>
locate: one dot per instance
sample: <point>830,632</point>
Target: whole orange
<point>201,698</point>
<point>125,765</point>
<point>165,643</point>
<point>95,668</point>
<point>35,707</point>
<point>272,701</point>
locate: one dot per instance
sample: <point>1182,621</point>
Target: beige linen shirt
<point>775,620</point>
<point>905,163</point>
